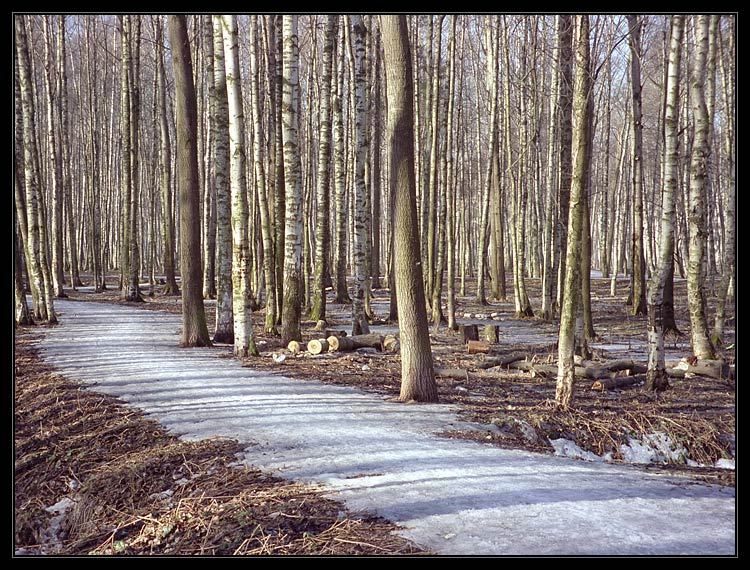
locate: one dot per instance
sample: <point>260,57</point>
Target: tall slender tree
<point>37,264</point>
<point>165,168</point>
<point>359,319</point>
<point>260,183</point>
<point>581,108</point>
<point>244,342</point>
<point>702,347</point>
<point>638,273</point>
<point>291,308</point>
<point>417,375</point>
<point>322,231</point>
<point>194,329</point>
<point>224,328</point>
<point>656,377</point>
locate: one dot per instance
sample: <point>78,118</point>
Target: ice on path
<point>451,496</point>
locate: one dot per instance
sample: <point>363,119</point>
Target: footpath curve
<point>451,496</point>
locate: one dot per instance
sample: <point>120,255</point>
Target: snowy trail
<point>451,496</point>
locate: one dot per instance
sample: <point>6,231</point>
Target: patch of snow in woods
<point>450,496</point>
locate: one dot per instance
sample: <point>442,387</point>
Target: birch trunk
<point>638,257</point>
<point>728,76</point>
<point>702,347</point>
<point>54,149</point>
<point>339,160</point>
<point>322,233</point>
<point>656,378</point>
<point>244,343</point>
<point>260,178</point>
<point>291,308</point>
<point>165,169</point>
<point>359,319</point>
<point>581,94</point>
<point>39,271</point>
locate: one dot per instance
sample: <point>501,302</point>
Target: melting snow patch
<point>567,448</point>
<point>655,448</point>
<point>724,463</point>
<point>51,535</point>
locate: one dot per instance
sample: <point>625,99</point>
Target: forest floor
<point>268,516</point>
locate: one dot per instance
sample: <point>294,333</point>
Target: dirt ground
<point>143,492</point>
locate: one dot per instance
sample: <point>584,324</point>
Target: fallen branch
<point>501,361</point>
<point>458,373</point>
<point>619,382</point>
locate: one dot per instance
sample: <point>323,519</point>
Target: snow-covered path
<point>451,496</point>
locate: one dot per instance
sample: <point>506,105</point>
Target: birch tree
<point>224,328</point>
<point>165,168</point>
<point>244,343</point>
<point>260,178</point>
<point>359,319</point>
<point>194,329</point>
<point>581,94</point>
<point>638,291</point>
<point>44,308</point>
<point>417,376</point>
<point>729,82</point>
<point>656,377</point>
<point>291,308</point>
<point>702,347</point>
<point>322,232</point>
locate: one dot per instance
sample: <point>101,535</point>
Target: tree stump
<point>491,333</point>
<point>469,332</point>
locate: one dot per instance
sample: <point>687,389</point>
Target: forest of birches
<point>250,159</point>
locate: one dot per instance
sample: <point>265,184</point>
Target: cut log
<point>478,347</point>
<point>296,347</point>
<point>619,365</point>
<point>619,382</point>
<point>349,343</point>
<point>391,344</point>
<point>550,370</point>
<point>458,373</point>
<point>320,326</point>
<point>491,333</point>
<point>317,346</point>
<point>711,368</point>
<point>469,332</point>
<point>501,361</point>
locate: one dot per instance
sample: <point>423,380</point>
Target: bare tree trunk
<point>565,35</point>
<point>244,343</point>
<point>702,347</point>
<point>165,173</point>
<point>493,89</point>
<point>359,320</point>
<point>375,186</point>
<point>548,276</point>
<point>322,232</point>
<point>581,108</point>
<point>417,376</point>
<point>209,177</point>
<point>729,78</point>
<point>291,308</point>
<point>224,329</point>
<point>656,378</point>
<point>638,259</point>
<point>260,177</point>
<point>194,329</point>
<point>54,149</point>
<point>39,270</point>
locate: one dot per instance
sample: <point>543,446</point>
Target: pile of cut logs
<point>337,341</point>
